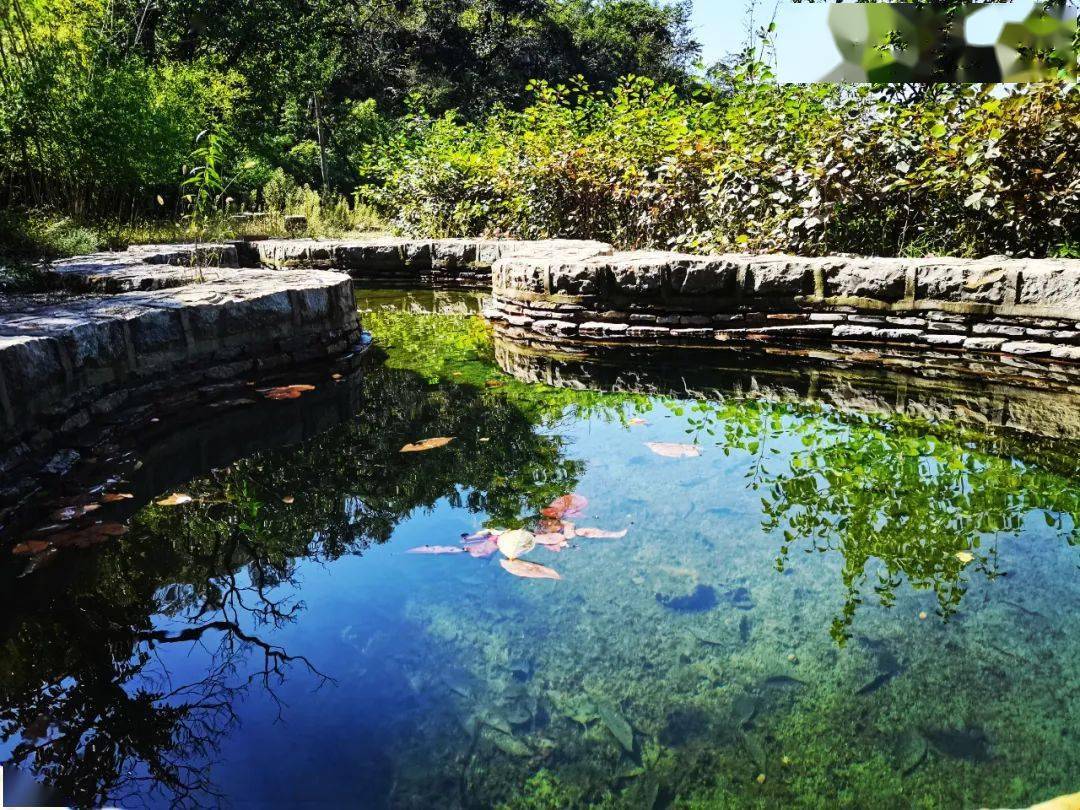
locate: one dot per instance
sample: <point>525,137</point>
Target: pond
<point>812,605</point>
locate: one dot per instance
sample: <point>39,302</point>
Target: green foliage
<point>100,101</point>
<point>750,165</point>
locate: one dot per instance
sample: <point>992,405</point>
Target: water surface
<point>826,606</point>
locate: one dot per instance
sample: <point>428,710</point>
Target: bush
<point>754,166</point>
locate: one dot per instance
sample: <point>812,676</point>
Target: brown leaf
<point>31,547</point>
<point>529,570</point>
<point>176,499</point>
<point>287,391</point>
<point>427,444</point>
<point>336,377</point>
<point>288,499</point>
<point>114,497</point>
<point>672,450</point>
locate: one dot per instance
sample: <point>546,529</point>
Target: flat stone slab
<point>440,261</point>
<point>142,267</point>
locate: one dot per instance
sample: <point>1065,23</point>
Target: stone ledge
<point>994,306</point>
<point>446,262</point>
<point>167,325</point>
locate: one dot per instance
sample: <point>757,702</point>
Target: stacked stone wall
<point>987,308</point>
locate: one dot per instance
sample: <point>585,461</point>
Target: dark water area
<point>827,595</point>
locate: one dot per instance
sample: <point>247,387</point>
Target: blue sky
<point>805,50</point>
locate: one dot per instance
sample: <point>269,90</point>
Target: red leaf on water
<point>565,506</point>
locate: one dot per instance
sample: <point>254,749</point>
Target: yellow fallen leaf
<point>965,556</point>
<point>176,499</point>
<point>672,450</point>
<point>427,444</point>
<point>528,570</point>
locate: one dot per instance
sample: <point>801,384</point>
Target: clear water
<point>823,609</point>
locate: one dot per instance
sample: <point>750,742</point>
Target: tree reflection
<point>86,681</point>
<point>898,497</point>
<point>917,499</point>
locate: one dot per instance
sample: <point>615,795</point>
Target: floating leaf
<point>72,512</point>
<point>965,556</point>
<point>600,534</point>
<point>552,541</point>
<point>76,538</point>
<point>286,391</point>
<point>427,444</point>
<point>516,543</point>
<point>115,497</point>
<point>672,450</point>
<point>288,499</point>
<point>528,570</point>
<point>482,549</point>
<point>565,506</point>
<point>176,499</point>
<point>436,550</point>
<point>637,421</point>
<point>31,547</point>
<point>336,377</point>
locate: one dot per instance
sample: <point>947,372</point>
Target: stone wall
<point>167,327</point>
<point>981,309</point>
<point>464,263</point>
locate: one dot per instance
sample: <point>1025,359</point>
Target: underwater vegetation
<point>815,607</point>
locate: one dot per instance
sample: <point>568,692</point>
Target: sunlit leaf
<point>427,444</point>
<point>176,499</point>
<point>529,570</point>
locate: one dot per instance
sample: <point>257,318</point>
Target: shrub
<point>750,165</point>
